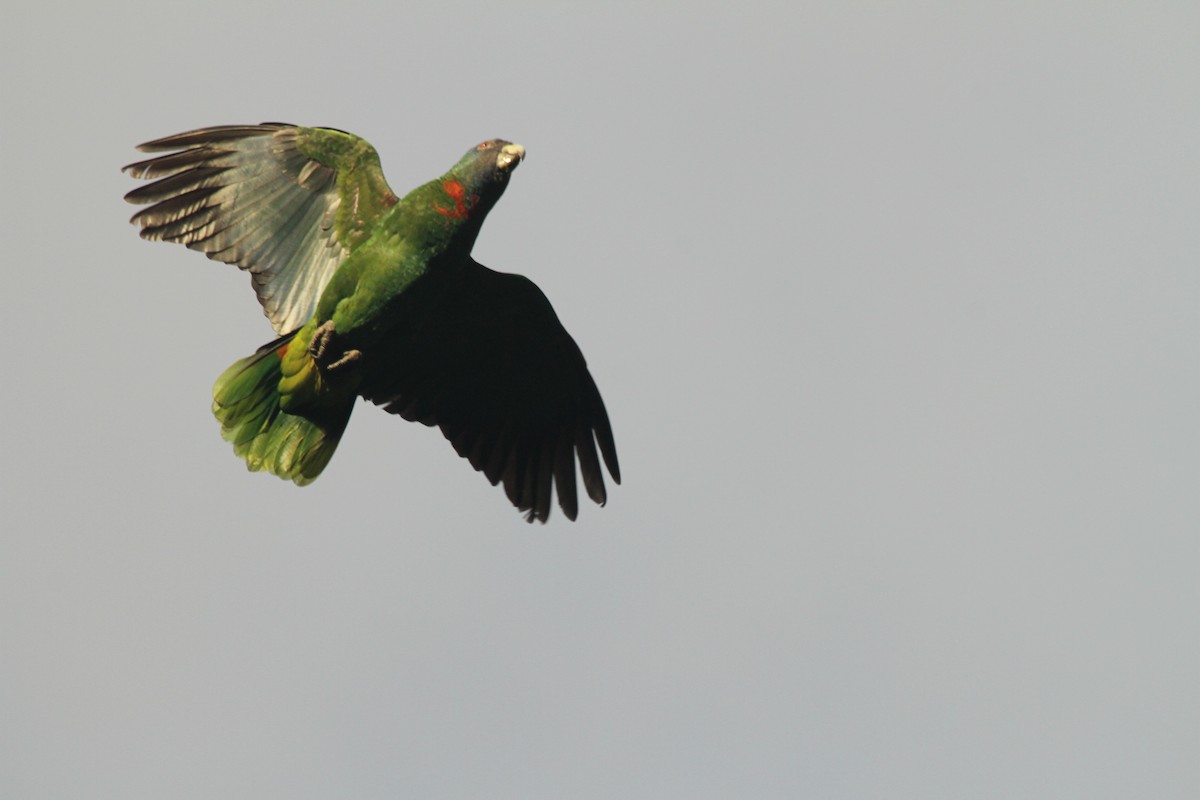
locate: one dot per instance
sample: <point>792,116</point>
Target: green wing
<point>286,204</point>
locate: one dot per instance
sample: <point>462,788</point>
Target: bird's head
<point>486,167</point>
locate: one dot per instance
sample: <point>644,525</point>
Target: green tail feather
<point>292,446</point>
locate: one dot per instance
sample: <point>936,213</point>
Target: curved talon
<point>348,357</point>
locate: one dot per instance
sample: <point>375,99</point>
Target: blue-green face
<point>486,167</point>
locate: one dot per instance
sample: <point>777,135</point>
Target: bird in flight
<point>378,297</point>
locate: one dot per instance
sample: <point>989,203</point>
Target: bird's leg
<point>322,349</point>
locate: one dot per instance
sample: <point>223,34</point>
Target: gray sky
<point>894,308</point>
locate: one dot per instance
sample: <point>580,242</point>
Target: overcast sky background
<point>894,309</point>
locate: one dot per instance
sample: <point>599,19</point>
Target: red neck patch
<point>456,192</point>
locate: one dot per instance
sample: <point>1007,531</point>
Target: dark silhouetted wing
<point>482,355</point>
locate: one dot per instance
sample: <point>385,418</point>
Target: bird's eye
<point>482,146</point>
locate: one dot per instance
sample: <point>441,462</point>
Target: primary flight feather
<point>377,296</point>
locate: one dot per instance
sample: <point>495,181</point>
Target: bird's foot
<point>324,352</point>
<point>321,340</point>
<point>348,358</point>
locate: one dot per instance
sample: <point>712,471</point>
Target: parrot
<point>377,296</point>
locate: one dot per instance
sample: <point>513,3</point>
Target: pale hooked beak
<point>509,156</point>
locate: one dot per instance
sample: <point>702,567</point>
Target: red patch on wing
<point>456,193</point>
<point>282,351</point>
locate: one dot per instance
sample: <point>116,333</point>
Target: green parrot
<point>378,297</point>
